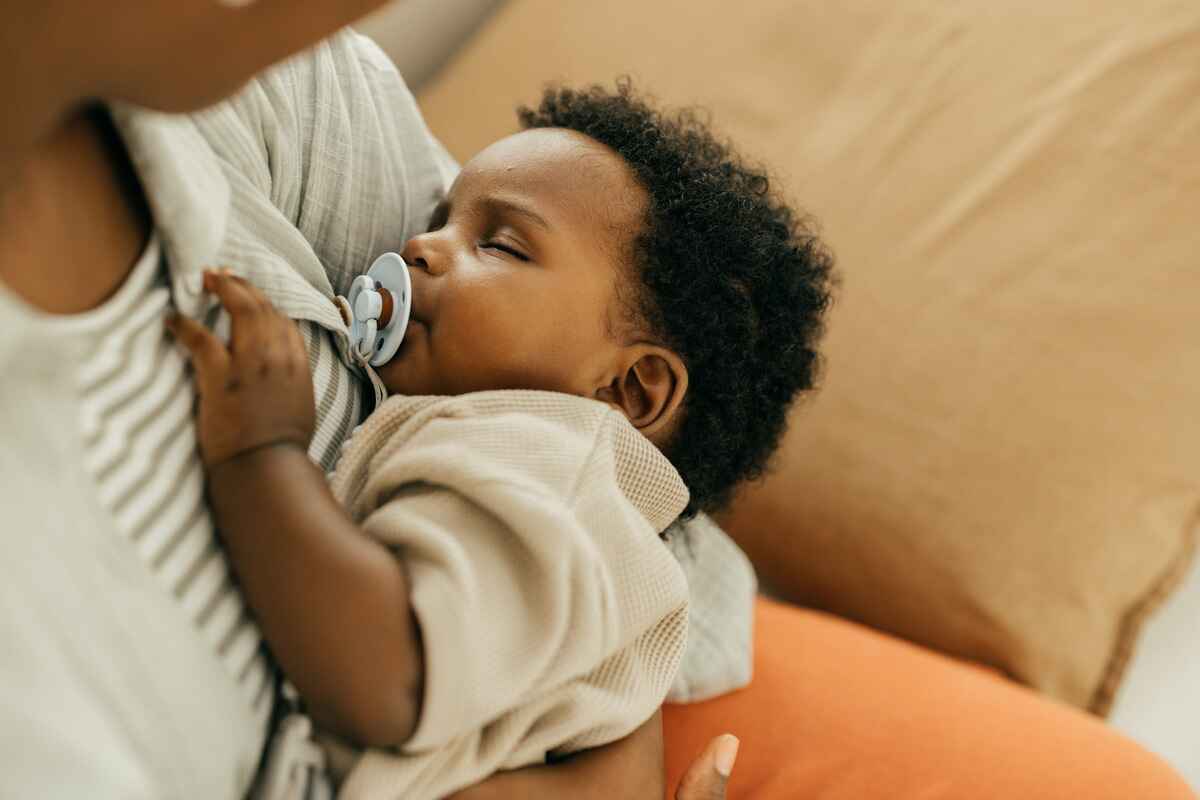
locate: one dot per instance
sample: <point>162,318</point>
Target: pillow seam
<point>1130,627</point>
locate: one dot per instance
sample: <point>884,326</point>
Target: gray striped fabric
<point>139,448</point>
<point>339,393</point>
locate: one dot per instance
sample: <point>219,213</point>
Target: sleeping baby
<point>611,315</point>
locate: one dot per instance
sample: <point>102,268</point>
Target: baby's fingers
<point>236,294</point>
<point>210,359</point>
<point>249,311</point>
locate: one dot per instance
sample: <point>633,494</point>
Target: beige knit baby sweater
<point>553,616</point>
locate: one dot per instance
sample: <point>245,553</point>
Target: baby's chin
<point>408,371</point>
<point>401,378</point>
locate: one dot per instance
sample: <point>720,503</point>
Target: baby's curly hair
<point>732,280</point>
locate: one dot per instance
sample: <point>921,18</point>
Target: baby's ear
<point>649,389</point>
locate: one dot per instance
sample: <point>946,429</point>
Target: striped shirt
<point>138,433</point>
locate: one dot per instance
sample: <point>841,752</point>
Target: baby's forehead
<point>564,174</point>
<point>556,156</point>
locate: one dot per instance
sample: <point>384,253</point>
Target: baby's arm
<point>332,602</point>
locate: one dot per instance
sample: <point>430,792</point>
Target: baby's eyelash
<point>517,254</point>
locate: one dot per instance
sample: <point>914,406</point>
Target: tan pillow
<point>1004,463</point>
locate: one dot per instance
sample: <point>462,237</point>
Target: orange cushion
<point>837,711</point>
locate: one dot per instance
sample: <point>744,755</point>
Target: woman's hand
<point>705,779</point>
<point>629,768</point>
<point>255,392</point>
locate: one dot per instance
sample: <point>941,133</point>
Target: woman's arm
<point>333,603</point>
<point>629,768</point>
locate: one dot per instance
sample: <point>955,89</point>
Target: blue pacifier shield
<point>378,344</point>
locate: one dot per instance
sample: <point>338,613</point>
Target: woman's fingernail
<point>727,752</point>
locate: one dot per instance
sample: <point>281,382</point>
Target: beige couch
<point>1004,462</point>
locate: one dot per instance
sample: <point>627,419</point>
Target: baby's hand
<point>257,391</point>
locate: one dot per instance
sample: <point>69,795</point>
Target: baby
<point>611,315</point>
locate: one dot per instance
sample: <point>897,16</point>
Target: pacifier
<point>380,303</point>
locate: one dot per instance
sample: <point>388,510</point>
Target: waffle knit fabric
<point>552,614</point>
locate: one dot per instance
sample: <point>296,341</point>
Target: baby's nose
<point>426,253</point>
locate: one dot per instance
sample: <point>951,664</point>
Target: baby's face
<point>514,284</point>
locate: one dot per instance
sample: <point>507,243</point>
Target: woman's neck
<point>73,218</point>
